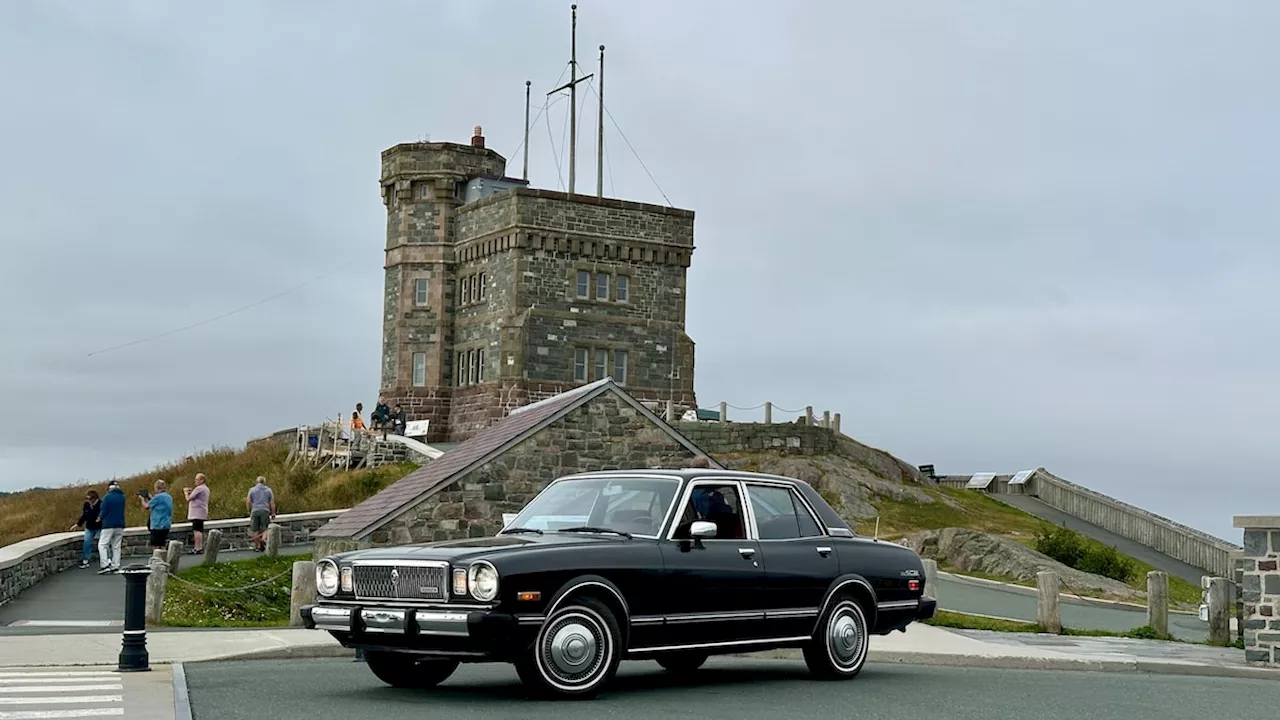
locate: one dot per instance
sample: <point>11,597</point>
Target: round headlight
<point>327,578</point>
<point>483,579</point>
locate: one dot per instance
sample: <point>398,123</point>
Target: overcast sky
<point>993,235</point>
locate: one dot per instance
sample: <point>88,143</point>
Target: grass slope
<point>229,473</point>
<point>217,602</point>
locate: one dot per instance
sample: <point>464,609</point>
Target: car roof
<point>691,474</point>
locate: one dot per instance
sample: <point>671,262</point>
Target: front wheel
<point>403,670</point>
<point>840,649</point>
<point>575,654</point>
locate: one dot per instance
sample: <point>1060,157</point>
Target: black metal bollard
<point>133,650</point>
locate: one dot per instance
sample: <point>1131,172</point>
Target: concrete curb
<point>887,657</point>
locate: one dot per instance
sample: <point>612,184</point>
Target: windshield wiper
<point>516,530</point>
<point>590,529</point>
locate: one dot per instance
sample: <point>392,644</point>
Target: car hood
<point>469,548</point>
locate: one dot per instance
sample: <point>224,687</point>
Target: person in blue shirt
<point>111,515</point>
<point>161,507</point>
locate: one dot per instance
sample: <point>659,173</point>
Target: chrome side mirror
<point>703,529</point>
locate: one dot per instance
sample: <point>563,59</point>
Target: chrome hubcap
<point>845,638</point>
<point>572,647</point>
<point>574,650</point>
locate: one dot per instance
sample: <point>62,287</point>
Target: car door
<point>799,558</point>
<point>713,585</point>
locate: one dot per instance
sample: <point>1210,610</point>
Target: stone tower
<point>498,295</point>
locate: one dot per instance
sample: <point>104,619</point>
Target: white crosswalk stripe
<point>54,694</point>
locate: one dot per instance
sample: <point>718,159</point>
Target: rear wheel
<point>839,650</point>
<point>575,654</point>
<point>682,661</point>
<point>404,670</point>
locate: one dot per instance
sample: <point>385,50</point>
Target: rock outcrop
<point>995,555</point>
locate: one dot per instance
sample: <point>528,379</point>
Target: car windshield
<point>632,505</point>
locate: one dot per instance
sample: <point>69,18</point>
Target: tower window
<point>420,287</point>
<point>480,282</point>
<point>620,367</point>
<point>480,365</point>
<point>419,369</point>
<point>622,286</point>
<point>466,291</point>
<point>461,372</point>
<point>471,367</point>
<point>584,284</point>
<point>602,286</point>
<point>602,364</point>
<point>580,364</point>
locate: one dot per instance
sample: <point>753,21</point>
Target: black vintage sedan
<point>669,565</point>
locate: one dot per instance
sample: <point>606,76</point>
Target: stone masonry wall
<point>1261,589</point>
<point>718,438</point>
<point>24,564</point>
<point>601,435</point>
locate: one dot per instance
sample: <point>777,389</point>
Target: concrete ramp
<point>1152,557</point>
<point>415,446</point>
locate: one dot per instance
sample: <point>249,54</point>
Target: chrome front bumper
<point>395,621</point>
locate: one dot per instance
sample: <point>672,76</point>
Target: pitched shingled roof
<point>479,449</point>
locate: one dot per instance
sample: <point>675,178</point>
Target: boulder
<point>991,554</point>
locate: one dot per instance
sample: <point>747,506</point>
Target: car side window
<point>717,503</point>
<point>780,515</point>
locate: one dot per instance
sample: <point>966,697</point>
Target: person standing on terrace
<point>92,525</point>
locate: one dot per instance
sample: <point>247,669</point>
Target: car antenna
<point>876,537</point>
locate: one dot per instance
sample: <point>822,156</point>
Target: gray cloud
<point>992,236</point>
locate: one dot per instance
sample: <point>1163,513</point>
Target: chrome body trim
<point>712,617</point>
<point>415,604</point>
<point>797,613</point>
<point>898,605</point>
<point>436,622</point>
<point>826,601</point>
<point>626,609</point>
<point>647,620</point>
<point>330,618</point>
<point>727,643</point>
<point>379,620</point>
<point>531,619</point>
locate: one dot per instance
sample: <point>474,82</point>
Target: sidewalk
<point>921,644</point>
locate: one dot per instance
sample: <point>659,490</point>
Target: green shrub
<point>1075,551</point>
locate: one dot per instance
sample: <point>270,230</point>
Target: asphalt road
<point>732,688</point>
<point>87,601</point>
<point>985,599</point>
<point>1150,556</point>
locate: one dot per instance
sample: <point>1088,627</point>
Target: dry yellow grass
<point>229,473</point>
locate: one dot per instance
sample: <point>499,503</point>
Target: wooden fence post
<point>1219,611</point>
<point>212,539</point>
<point>273,540</point>
<point>173,555</point>
<point>1048,612</point>
<point>1158,602</point>
<point>930,577</point>
<point>156,583</point>
<point>302,591</point>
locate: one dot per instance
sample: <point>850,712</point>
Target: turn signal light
<point>459,581</point>
<point>913,584</point>
<point>529,595</point>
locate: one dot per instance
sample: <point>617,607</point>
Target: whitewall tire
<point>576,653</point>
<point>839,649</point>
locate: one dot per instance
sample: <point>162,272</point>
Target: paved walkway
<point>921,644</point>
<point>974,596</point>
<point>79,600</point>
<point>1152,557</point>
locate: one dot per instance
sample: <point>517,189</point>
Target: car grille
<point>401,582</point>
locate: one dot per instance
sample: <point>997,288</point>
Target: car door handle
<point>824,551</point>
<point>747,552</point>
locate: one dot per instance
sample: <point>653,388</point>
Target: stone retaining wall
<point>26,563</point>
<point>730,437</point>
<point>1260,589</point>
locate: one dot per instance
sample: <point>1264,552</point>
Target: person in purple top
<point>197,511</point>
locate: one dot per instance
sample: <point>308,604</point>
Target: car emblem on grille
<point>395,576</point>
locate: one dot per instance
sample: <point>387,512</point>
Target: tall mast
<point>527,83</point>
<point>600,132</point>
<point>572,87</point>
